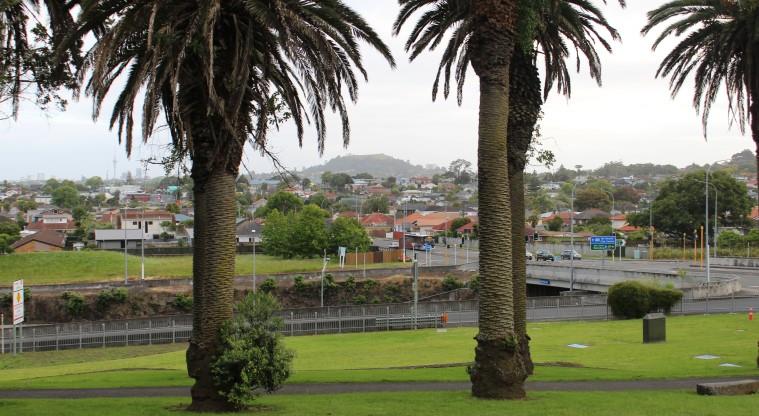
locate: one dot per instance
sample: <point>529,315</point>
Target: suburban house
<point>248,231</point>
<point>589,214</point>
<point>149,221</point>
<point>618,221</point>
<point>51,220</point>
<point>564,215</point>
<point>754,213</point>
<point>429,223</point>
<point>377,224</point>
<point>43,241</point>
<point>43,199</point>
<point>115,239</point>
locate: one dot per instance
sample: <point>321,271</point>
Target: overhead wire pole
<point>126,244</point>
<point>143,225</point>
<point>572,240</point>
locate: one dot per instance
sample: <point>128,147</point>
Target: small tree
<point>252,356</point>
<point>555,224</point>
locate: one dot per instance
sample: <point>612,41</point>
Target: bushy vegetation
<point>252,356</point>
<point>74,303</point>
<point>450,283</point>
<point>269,285</point>
<point>183,302</point>
<point>109,297</point>
<point>633,300</point>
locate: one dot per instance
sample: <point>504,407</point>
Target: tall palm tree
<point>26,55</point>
<point>218,71</point>
<point>490,35</point>
<point>719,45</point>
<point>548,27</point>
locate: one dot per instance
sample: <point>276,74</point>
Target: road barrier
<point>335,320</point>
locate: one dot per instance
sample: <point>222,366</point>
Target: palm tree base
<point>205,397</point>
<point>498,371</point>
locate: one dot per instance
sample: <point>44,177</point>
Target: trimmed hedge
<point>633,300</point>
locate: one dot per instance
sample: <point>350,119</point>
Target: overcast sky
<point>631,119</point>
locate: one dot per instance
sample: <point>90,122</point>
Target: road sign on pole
<point>605,242</point>
<point>18,302</point>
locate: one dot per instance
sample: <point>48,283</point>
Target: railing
<point>333,320</point>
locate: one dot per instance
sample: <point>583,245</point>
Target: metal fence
<point>331,320</point>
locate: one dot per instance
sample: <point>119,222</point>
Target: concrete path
<point>338,388</point>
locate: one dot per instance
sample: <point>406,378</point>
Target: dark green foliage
<point>350,284</point>
<point>451,283</point>
<point>392,292</point>
<point>347,232</point>
<point>555,224</point>
<point>629,300</point>
<point>664,299</point>
<point>183,302</point>
<point>269,285</point>
<point>299,285</point>
<point>633,300</point>
<point>252,356</point>
<point>6,299</point>
<point>474,283</point>
<point>74,303</point>
<point>370,285</point>
<point>359,300</point>
<point>112,296</point>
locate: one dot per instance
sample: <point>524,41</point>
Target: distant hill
<point>379,165</point>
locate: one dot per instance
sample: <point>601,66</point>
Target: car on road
<point>529,256</point>
<point>544,255</point>
<point>569,254</point>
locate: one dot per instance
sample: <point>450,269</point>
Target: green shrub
<point>6,299</point>
<point>299,285</point>
<point>359,300</point>
<point>371,285</point>
<point>269,285</point>
<point>350,284</point>
<point>474,283</point>
<point>252,356</point>
<point>665,298</point>
<point>633,300</point>
<point>329,281</point>
<point>392,293</point>
<point>629,300</point>
<point>450,283</point>
<point>111,296</point>
<point>183,302</point>
<point>74,303</point>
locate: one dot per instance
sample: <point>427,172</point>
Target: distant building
<point>43,241</point>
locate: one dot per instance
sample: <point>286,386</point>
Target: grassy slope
<point>616,353</point>
<point>91,266</point>
<point>671,403</point>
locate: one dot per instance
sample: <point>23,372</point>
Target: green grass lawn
<point>638,403</point>
<point>96,266</point>
<point>615,353</point>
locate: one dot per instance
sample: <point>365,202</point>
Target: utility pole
<point>415,287</point>
<point>324,267</point>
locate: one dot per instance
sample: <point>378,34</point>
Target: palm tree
<point>554,23</point>
<point>719,47</point>
<point>26,57</point>
<point>221,73</point>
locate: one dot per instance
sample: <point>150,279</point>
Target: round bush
<point>629,300</point>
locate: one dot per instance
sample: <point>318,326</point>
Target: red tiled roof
<point>52,238</point>
<point>618,217</point>
<point>755,213</point>
<point>628,228</point>
<point>134,214</point>
<point>377,219</point>
<point>41,226</point>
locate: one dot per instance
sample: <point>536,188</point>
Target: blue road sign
<point>427,247</point>
<point>545,282</point>
<point>603,242</point>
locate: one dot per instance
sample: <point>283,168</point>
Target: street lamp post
<point>324,267</point>
<point>706,229</point>
<point>651,230</point>
<point>572,240</point>
<point>254,260</point>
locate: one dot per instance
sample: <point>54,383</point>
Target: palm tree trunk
<point>524,102</point>
<point>213,273</point>
<point>497,372</point>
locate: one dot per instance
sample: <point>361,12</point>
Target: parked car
<point>544,255</point>
<point>529,256</point>
<point>568,254</point>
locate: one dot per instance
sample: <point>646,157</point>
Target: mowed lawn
<point>637,403</point>
<point>615,352</point>
<point>96,266</point>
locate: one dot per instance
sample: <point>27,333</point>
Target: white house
<point>147,220</point>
